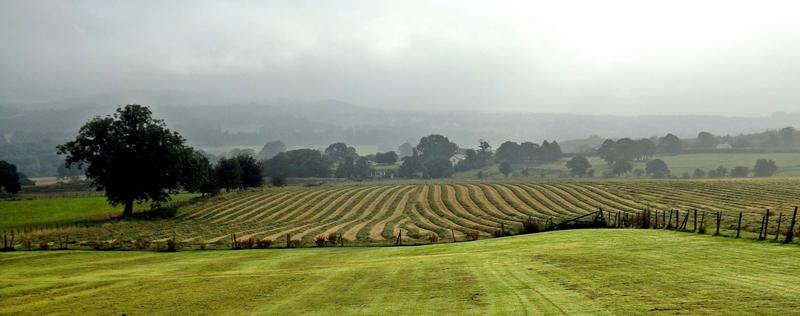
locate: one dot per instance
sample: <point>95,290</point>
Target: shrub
<point>473,235</point>
<point>100,245</point>
<point>248,243</point>
<point>141,244</point>
<point>44,245</point>
<point>278,181</point>
<point>294,243</point>
<point>333,238</point>
<point>530,227</point>
<point>740,172</point>
<point>264,243</point>
<point>320,241</point>
<point>433,238</point>
<point>26,243</point>
<point>202,245</point>
<point>172,245</point>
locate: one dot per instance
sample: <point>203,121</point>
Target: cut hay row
<point>515,201</point>
<point>215,210</point>
<point>462,196</point>
<point>600,200</point>
<point>321,217</point>
<point>452,203</point>
<point>350,228</point>
<point>561,206</point>
<point>378,212</point>
<point>502,204</point>
<point>361,230</point>
<point>539,195</point>
<point>378,231</point>
<point>258,207</point>
<point>729,199</point>
<point>345,213</point>
<point>426,208</point>
<point>464,219</point>
<point>478,198</point>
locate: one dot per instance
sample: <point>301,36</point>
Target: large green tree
<point>434,154</point>
<point>130,155</point>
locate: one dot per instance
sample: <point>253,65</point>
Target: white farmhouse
<point>455,159</point>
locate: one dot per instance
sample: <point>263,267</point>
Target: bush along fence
<point>768,226</point>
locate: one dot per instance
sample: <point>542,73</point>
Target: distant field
<point>578,272</point>
<point>377,212</point>
<point>788,165</point>
<point>62,210</point>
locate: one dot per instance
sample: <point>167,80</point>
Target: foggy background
<point>376,74</point>
<point>734,58</point>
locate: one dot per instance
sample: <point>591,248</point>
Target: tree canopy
<point>578,166</point>
<point>388,157</point>
<point>130,155</point>
<point>765,168</point>
<point>302,163</point>
<point>9,178</point>
<point>505,168</point>
<point>657,168</point>
<point>669,144</point>
<point>340,151</point>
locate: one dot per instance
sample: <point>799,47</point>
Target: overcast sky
<point>601,57</point>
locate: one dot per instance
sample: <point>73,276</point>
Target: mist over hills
<point>319,123</point>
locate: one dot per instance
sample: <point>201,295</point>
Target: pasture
<point>63,210</point>
<point>596,272</point>
<point>377,213</point>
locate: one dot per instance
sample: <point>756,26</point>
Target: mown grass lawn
<point>568,272</point>
<point>63,210</point>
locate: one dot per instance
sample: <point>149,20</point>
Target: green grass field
<point>788,165</point>
<point>568,272</point>
<point>62,210</point>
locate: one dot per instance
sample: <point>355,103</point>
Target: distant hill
<point>303,123</point>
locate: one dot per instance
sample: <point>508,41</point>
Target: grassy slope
<point>788,165</point>
<point>40,211</point>
<point>568,272</point>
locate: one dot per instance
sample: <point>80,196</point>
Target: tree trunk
<point>128,212</point>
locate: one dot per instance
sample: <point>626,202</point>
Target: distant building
<point>455,159</point>
<point>724,146</point>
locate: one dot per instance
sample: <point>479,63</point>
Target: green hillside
<point>568,272</point>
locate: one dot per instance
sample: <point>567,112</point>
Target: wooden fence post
<point>694,226</point>
<point>766,225</point>
<point>399,240</point>
<point>702,223</point>
<point>790,233</point>
<point>669,223</point>
<point>719,218</point>
<point>685,221</point>
<point>739,225</point>
<point>288,241</point>
<point>778,231</point>
<point>453,233</point>
<point>656,226</point>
